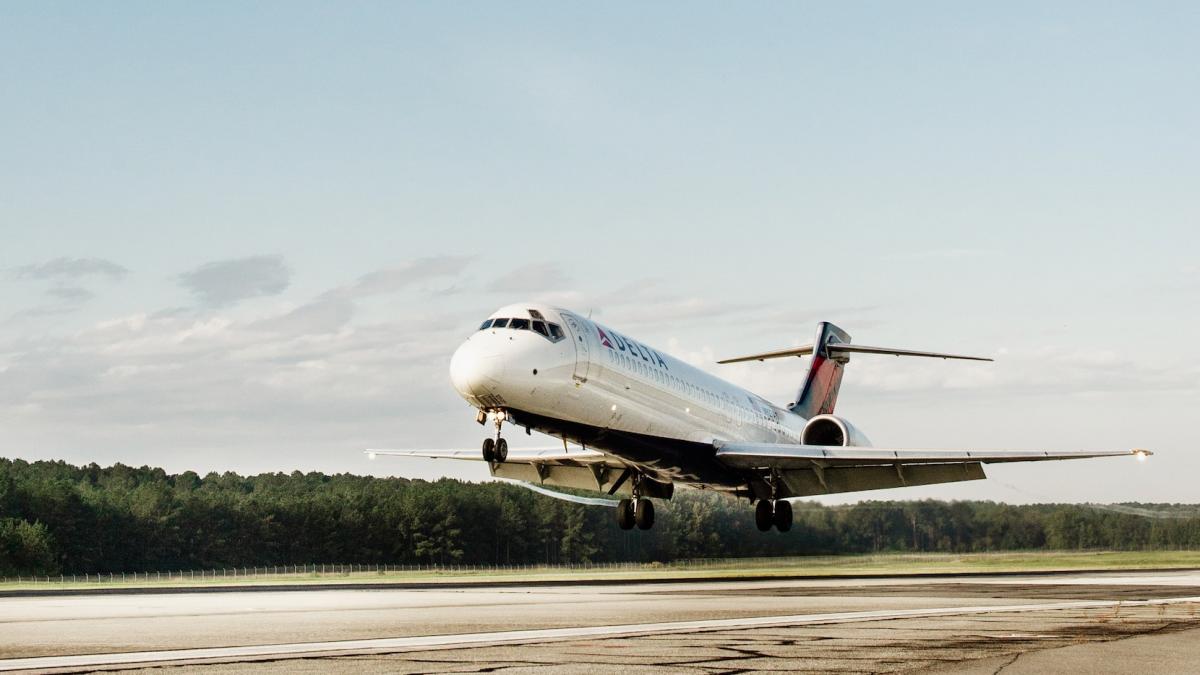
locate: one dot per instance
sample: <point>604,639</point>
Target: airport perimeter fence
<point>318,570</point>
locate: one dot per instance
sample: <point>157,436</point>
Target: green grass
<point>825,566</point>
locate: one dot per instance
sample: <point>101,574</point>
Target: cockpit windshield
<point>551,331</point>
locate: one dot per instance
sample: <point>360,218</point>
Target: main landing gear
<point>777,513</point>
<point>637,511</point>
<point>773,511</point>
<point>496,450</point>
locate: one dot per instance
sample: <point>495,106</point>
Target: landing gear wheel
<point>501,450</point>
<point>783,515</point>
<point>763,515</point>
<point>625,514</point>
<point>644,514</point>
<point>489,450</point>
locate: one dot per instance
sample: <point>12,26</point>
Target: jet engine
<point>832,430</point>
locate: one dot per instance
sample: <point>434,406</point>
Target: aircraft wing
<point>551,456</point>
<point>582,468</point>
<point>821,469</point>
<point>787,456</point>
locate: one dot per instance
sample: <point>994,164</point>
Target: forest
<point>56,518</point>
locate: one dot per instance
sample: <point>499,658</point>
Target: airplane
<point>646,421</point>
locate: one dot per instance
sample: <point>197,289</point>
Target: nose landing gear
<point>496,450</point>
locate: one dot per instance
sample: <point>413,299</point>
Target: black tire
<point>783,515</point>
<point>625,514</point>
<point>763,515</point>
<point>644,514</point>
<point>489,450</point>
<point>501,450</point>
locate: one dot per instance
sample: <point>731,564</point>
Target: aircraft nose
<point>476,369</point>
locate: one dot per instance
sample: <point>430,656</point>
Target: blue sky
<point>249,237</point>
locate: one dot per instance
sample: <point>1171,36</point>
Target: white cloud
<point>323,315</point>
<point>226,282</point>
<point>314,381</point>
<point>70,269</point>
<point>402,276</point>
<point>67,277</point>
<point>71,294</point>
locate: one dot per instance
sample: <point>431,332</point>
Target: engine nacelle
<point>833,430</point>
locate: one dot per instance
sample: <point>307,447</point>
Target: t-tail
<point>831,350</point>
<point>818,394</point>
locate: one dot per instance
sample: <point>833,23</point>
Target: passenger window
<point>499,323</point>
<point>485,325</point>
<point>556,333</point>
<point>540,328</point>
<point>519,324</point>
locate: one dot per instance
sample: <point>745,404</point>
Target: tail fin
<point>819,393</point>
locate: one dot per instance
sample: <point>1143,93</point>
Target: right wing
<point>789,456</point>
<point>821,469</point>
<point>581,469</point>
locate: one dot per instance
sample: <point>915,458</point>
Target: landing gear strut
<point>637,511</point>
<point>496,450</point>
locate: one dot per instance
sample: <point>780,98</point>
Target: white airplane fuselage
<point>600,388</point>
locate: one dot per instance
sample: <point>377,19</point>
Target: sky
<point>249,237</point>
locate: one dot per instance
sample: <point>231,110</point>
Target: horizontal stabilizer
<point>836,350</point>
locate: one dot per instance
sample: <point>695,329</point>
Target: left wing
<point>582,469</point>
<point>822,469</point>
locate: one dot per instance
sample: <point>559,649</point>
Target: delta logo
<point>635,349</point>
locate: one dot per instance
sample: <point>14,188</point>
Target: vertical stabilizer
<point>820,390</point>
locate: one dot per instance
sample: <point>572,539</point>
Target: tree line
<point>58,518</point>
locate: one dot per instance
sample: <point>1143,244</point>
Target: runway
<point>1099,621</point>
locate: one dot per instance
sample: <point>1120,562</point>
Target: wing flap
<point>833,480</point>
